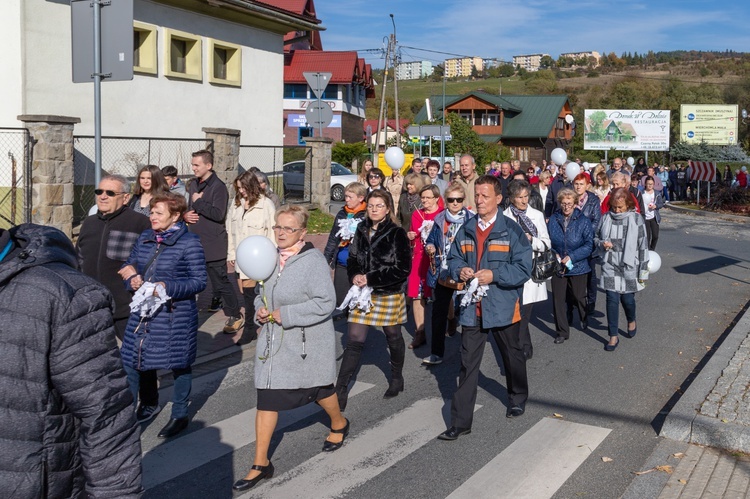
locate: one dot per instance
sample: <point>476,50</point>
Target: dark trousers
<point>148,387</point>
<point>217,273</point>
<point>577,287</point>
<point>183,382</point>
<point>614,299</point>
<point>341,283</point>
<point>652,232</point>
<point>526,346</point>
<point>473,340</point>
<point>440,307</point>
<point>592,283</point>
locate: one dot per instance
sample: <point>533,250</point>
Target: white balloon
<point>654,262</point>
<point>572,170</point>
<point>558,156</point>
<point>93,210</point>
<point>394,157</point>
<point>744,168</point>
<point>256,257</point>
<point>631,161</point>
<point>586,165</point>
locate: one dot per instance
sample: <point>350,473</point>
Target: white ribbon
<point>357,298</point>
<point>425,229</point>
<point>347,228</point>
<point>473,293</point>
<point>149,297</point>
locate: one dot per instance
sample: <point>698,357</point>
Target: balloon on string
<point>572,170</point>
<point>586,165</point>
<point>654,262</point>
<point>394,157</point>
<point>631,161</point>
<point>93,210</point>
<point>256,257</point>
<point>558,156</point>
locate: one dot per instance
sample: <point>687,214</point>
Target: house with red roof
<point>387,131</point>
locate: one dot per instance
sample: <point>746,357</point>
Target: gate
<point>287,168</point>
<point>15,176</point>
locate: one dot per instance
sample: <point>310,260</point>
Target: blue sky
<point>504,28</point>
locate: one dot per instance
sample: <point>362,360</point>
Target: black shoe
<point>265,472</point>
<point>331,446</point>
<point>453,433</point>
<point>215,306</point>
<point>175,426</point>
<point>630,333</point>
<point>559,339</point>
<point>394,387</point>
<point>515,411</point>
<point>611,348</point>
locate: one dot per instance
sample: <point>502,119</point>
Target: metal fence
<point>125,156</point>
<point>15,176</point>
<point>287,168</point>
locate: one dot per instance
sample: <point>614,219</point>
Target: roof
<point>390,123</point>
<point>304,8</point>
<point>298,7</point>
<point>345,67</point>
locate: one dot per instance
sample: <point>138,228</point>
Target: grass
<point>418,90</point>
<point>319,222</point>
<point>6,209</point>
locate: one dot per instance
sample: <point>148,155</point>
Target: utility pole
<point>383,115</point>
<point>395,81</point>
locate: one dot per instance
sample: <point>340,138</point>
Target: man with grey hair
<point>467,177</point>
<point>622,180</point>
<point>505,176</point>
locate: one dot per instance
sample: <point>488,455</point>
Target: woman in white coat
<point>532,222</point>
<point>252,215</point>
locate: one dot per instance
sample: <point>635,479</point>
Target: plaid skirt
<point>387,310</point>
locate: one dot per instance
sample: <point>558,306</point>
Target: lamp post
<point>442,133</point>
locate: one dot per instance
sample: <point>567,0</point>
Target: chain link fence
<point>15,177</point>
<point>125,156</point>
<point>285,167</point>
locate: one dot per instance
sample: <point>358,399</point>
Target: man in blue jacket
<point>493,249</point>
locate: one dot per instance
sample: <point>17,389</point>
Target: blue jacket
<point>593,210</point>
<point>437,239</point>
<point>507,252</point>
<point>577,241</point>
<point>168,340</point>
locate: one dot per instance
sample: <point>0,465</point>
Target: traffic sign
<point>319,114</point>
<point>438,137</point>
<point>116,53</point>
<point>317,81</point>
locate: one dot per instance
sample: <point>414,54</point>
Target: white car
<point>294,179</point>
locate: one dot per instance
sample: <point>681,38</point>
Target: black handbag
<point>544,265</point>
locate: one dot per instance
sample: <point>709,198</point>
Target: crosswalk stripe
<point>169,460</point>
<point>536,464</point>
<point>369,453</point>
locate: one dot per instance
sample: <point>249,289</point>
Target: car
<point>294,179</point>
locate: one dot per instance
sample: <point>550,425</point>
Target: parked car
<point>294,179</point>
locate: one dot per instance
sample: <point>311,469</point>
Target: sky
<point>504,28</point>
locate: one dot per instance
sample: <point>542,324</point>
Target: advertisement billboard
<point>714,124</point>
<point>626,129</point>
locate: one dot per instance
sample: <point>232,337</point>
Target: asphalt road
<point>685,309</point>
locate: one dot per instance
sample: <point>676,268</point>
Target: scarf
<point>524,221</point>
<point>582,200</point>
<point>630,235</point>
<point>414,201</point>
<point>163,235</point>
<point>350,213</point>
<point>454,223</point>
<point>285,254</point>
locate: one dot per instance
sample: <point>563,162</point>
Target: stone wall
<point>226,153</point>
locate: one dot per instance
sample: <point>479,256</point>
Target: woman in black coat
<point>380,258</point>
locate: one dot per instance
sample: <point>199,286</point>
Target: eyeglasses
<point>111,194</point>
<point>373,176</point>
<point>426,197</point>
<point>285,230</point>
<point>567,205</point>
<point>375,206</point>
<point>455,200</point>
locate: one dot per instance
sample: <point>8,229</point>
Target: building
<point>414,70</point>
<point>387,132</point>
<point>590,57</point>
<point>463,67</point>
<point>531,126</point>
<point>203,64</point>
<point>530,62</point>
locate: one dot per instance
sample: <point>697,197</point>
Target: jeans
<point>613,309</point>
<point>183,383</point>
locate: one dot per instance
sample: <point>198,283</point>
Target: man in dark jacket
<point>208,204</point>
<point>66,404</point>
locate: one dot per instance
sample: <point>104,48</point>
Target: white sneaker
<point>432,360</point>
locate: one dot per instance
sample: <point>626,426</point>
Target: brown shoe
<point>233,324</point>
<point>452,327</point>
<point>419,339</point>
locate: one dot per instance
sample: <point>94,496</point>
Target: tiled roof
<point>389,123</point>
<point>299,7</point>
<point>343,66</point>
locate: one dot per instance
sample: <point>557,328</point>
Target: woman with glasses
<point>590,207</point>
<point>252,215</point>
<point>572,238</point>
<point>296,352</point>
<point>150,182</point>
<point>422,221</point>
<point>437,246</point>
<point>379,258</point>
<point>409,201</point>
<point>531,221</point>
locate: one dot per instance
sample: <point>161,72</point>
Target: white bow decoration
<point>149,297</point>
<point>347,228</point>
<point>425,229</point>
<point>473,293</point>
<point>358,298</point>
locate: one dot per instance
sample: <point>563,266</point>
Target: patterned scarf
<point>162,235</point>
<point>285,254</point>
<point>524,221</point>
<point>454,223</point>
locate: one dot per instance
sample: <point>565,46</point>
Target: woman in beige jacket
<point>252,215</point>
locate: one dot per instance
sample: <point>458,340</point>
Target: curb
<point>711,214</point>
<point>684,422</point>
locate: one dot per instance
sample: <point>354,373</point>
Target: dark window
<point>178,53</point>
<point>331,92</point>
<point>221,57</point>
<point>137,43</point>
<point>295,91</point>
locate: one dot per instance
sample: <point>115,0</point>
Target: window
<point>295,91</point>
<point>224,63</point>
<point>491,119</point>
<point>144,48</point>
<point>331,92</point>
<point>304,133</point>
<point>465,115</point>
<point>183,55</point>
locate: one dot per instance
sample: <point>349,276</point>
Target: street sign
<point>116,40</point>
<point>438,137</point>
<point>319,114</point>
<point>424,130</point>
<point>317,81</point>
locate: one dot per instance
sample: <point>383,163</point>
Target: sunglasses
<point>455,200</point>
<point>111,194</point>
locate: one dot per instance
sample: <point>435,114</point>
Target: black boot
<point>398,351</point>
<point>250,330</point>
<point>349,365</point>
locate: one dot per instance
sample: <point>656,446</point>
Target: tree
<point>546,62</point>
<point>346,153</point>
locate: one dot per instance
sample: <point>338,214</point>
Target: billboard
<point>714,124</point>
<point>626,129</point>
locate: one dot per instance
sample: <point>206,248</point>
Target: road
<point>585,405</point>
